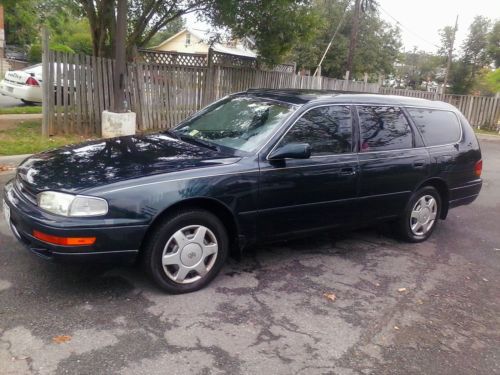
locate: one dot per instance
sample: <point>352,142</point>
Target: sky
<point>420,20</point>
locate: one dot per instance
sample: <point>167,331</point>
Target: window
<point>328,130</point>
<point>188,39</point>
<point>437,127</point>
<point>384,128</point>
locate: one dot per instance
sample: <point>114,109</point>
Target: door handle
<point>419,163</point>
<point>349,171</point>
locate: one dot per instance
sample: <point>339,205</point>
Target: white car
<point>25,84</point>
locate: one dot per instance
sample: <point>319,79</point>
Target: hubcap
<point>189,254</point>
<point>423,215</point>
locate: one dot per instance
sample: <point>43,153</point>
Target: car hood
<point>96,163</point>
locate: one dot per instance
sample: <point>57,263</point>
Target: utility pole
<point>450,56</point>
<point>120,104</point>
<point>354,36</point>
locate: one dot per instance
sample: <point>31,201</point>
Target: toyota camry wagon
<point>261,165</point>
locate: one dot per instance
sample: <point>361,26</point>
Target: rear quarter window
<point>436,126</point>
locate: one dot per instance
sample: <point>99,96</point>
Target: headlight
<point>72,205</point>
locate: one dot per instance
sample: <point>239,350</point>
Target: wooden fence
<point>162,95</point>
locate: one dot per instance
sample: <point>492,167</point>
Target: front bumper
<point>113,243</point>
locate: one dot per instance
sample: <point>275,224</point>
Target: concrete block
<point>118,124</point>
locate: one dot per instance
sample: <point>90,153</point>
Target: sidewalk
<point>10,121</point>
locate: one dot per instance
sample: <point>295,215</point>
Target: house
<point>194,41</point>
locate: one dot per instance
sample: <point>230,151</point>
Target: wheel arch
<point>211,205</point>
<point>444,192</point>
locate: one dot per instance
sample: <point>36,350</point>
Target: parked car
<point>257,166</point>
<point>25,84</point>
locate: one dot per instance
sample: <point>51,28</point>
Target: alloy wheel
<point>189,254</point>
<point>423,215</point>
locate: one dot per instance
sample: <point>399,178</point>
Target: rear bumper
<point>115,244</point>
<point>24,92</point>
<point>466,194</point>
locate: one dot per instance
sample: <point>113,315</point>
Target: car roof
<point>301,97</point>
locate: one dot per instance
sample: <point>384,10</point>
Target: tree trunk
<point>354,36</point>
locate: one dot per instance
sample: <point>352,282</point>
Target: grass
<point>21,110</point>
<point>486,131</point>
<point>26,138</point>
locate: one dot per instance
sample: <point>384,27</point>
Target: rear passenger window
<point>437,127</point>
<point>384,128</point>
<point>328,130</point>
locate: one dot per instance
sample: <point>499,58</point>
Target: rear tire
<point>186,251</point>
<point>421,215</point>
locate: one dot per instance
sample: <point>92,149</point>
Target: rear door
<point>319,192</point>
<point>391,166</point>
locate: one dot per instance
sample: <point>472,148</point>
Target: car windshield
<point>242,123</point>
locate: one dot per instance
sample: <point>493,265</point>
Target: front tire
<point>421,215</point>
<point>186,251</point>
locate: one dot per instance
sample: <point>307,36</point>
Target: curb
<point>487,137</point>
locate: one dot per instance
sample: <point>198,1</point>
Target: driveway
<point>430,308</point>
<point>7,101</point>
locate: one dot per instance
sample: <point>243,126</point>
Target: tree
<point>360,7</point>
<point>171,29</point>
<point>275,24</point>
<point>475,45</point>
<point>494,44</point>
<point>446,40</point>
<point>21,21</point>
<point>379,43</point>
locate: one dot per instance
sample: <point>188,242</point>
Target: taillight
<point>32,82</point>
<point>478,168</point>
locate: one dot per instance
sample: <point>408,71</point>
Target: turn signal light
<point>478,168</point>
<point>64,241</point>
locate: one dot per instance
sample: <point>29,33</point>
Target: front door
<point>299,195</point>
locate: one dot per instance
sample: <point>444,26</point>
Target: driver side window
<point>328,130</point>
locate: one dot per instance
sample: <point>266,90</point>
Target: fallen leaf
<point>396,327</point>
<point>4,168</point>
<point>330,296</point>
<point>61,339</point>
<point>402,290</point>
<point>485,280</point>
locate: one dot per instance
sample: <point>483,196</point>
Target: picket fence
<point>162,95</point>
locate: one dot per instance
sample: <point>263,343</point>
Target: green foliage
<point>378,43</point>
<point>494,44</point>
<point>171,29</point>
<point>474,46</point>
<point>488,82</point>
<point>21,21</point>
<point>277,26</point>
<point>35,53</point>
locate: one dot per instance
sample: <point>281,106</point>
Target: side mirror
<point>292,151</point>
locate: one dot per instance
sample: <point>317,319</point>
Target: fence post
<point>469,112</point>
<point>45,82</point>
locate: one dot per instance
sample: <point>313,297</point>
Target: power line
<point>408,29</point>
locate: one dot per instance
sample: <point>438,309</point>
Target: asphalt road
<point>430,308</point>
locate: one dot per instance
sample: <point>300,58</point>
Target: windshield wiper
<point>172,133</point>
<point>198,141</point>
